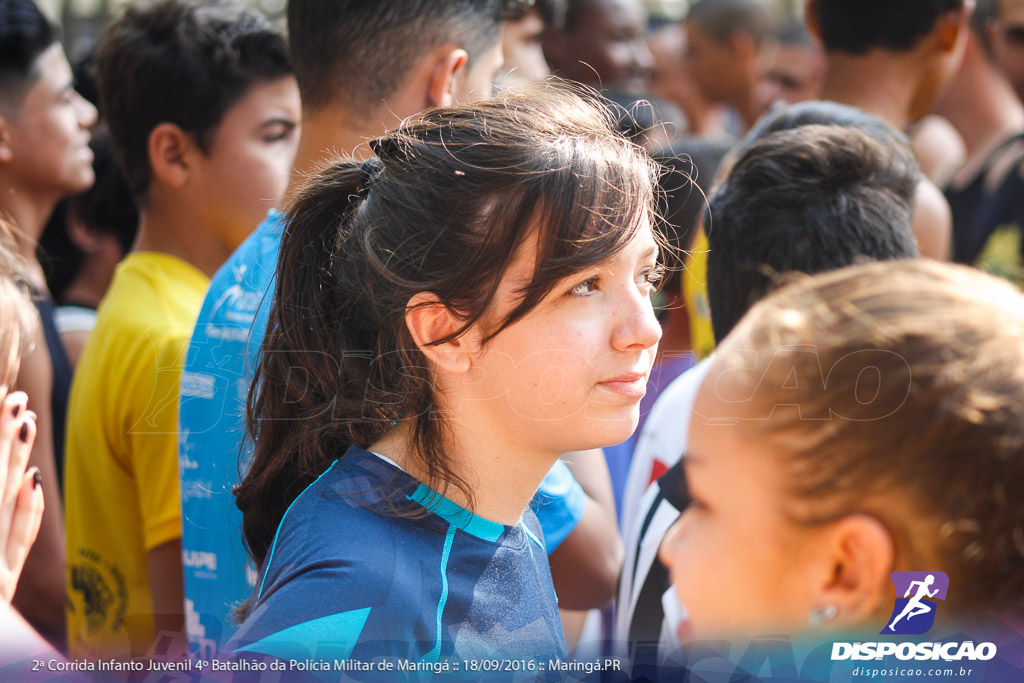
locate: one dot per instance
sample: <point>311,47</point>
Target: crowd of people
<point>451,330</point>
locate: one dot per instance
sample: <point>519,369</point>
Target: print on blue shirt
<point>446,586</point>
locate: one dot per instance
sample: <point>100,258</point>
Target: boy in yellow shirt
<point>203,111</point>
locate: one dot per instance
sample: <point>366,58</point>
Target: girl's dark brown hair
<point>451,198</point>
<point>911,409</point>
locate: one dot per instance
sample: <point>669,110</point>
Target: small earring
<point>822,615</point>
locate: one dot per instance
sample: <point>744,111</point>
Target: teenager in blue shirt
<point>450,317</point>
<point>362,67</point>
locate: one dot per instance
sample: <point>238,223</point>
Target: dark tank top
<point>61,378</point>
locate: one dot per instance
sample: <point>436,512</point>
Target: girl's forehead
<point>519,273</point>
<point>642,245</point>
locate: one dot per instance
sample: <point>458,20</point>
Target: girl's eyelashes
<point>649,277</point>
<point>696,505</point>
<point>652,277</point>
<point>585,288</point>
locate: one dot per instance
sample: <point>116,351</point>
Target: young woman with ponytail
<point>450,316</point>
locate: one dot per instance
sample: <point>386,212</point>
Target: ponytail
<point>299,375</point>
<point>442,208</point>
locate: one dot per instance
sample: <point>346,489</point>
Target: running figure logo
<point>914,613</point>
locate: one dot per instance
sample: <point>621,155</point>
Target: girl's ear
<point>429,320</point>
<point>855,581</point>
<point>169,149</point>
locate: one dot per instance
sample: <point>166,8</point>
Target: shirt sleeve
<point>558,504</point>
<point>153,442</point>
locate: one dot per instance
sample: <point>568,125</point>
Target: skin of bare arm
<point>932,222</point>
<point>939,149</point>
<point>167,586</point>
<point>74,344</point>
<point>585,567</point>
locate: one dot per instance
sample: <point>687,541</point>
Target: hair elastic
<point>367,173</point>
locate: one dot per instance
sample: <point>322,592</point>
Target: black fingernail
<point>37,479</point>
<point>23,434</point>
<point>17,409</point>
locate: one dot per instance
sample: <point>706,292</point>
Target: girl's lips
<point>630,385</point>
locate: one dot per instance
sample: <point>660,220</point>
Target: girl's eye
<point>584,288</point>
<point>652,277</point>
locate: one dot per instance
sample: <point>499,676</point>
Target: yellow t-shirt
<point>121,485</point>
<point>695,294</point>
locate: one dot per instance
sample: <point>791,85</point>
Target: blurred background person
<point>522,40</point>
<point>80,249</point>
<point>203,111</point>
<point>1007,34</point>
<point>894,60</point>
<point>793,68</point>
<point>673,82</point>
<point>602,44</point>
<point>88,233</point>
<point>21,496</point>
<point>986,196</point>
<point>800,199</point>
<point>725,40</point>
<point>44,156</point>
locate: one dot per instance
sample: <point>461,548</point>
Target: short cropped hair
<point>25,33</point>
<point>857,26</point>
<point>552,12</point>
<point>362,50</point>
<point>985,12</point>
<point>808,200</point>
<point>184,62</point>
<point>823,113</point>
<point>723,18</point>
<point>794,34</point>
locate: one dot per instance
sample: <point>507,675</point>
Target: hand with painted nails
<point>21,496</point>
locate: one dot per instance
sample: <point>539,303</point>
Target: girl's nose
<point>638,328</point>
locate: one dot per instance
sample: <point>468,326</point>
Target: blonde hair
<point>911,408</point>
<point>18,317</point>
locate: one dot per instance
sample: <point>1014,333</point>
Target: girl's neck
<point>502,480</point>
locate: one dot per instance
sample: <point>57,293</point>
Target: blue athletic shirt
<point>348,579</point>
<point>219,368</point>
